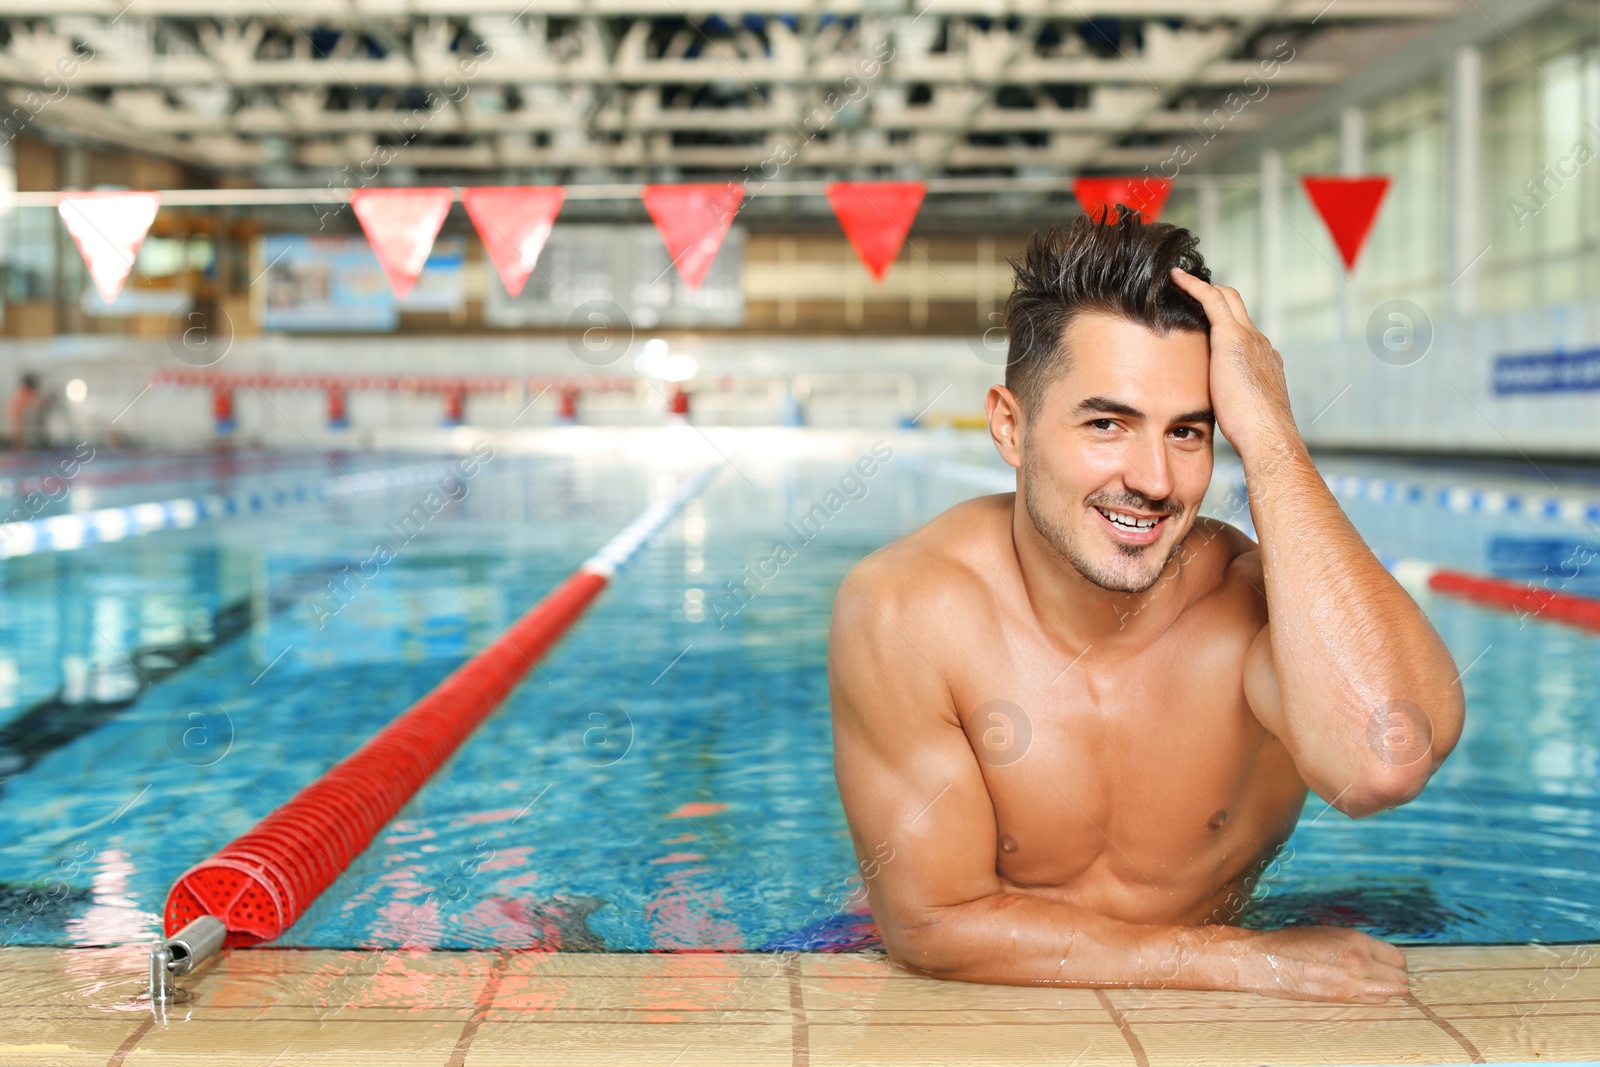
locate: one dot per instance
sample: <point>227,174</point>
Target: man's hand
<point>1248,390</point>
<point>1323,963</point>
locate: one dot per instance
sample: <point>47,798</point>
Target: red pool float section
<point>261,883</point>
<point>1570,608</point>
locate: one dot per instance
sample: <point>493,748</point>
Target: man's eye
<point>1189,433</point>
<point>1102,424</point>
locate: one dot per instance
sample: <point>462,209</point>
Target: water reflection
<point>114,915</point>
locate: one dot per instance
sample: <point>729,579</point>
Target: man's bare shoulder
<point>947,565</point>
<point>1233,562</point>
<point>907,612</point>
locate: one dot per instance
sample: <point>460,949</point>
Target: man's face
<point>1117,453</point>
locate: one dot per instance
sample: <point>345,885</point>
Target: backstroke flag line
<point>401,224</point>
<point>1145,195</point>
<point>876,218</point>
<point>693,220</point>
<point>513,221</point>
<point>1348,207</point>
<point>108,228</point>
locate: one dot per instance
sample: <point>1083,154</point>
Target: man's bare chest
<point>1154,772</point>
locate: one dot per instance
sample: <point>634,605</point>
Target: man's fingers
<point>1215,304</point>
<point>1382,972</point>
<point>1387,953</point>
<point>1383,952</point>
<point>1235,304</point>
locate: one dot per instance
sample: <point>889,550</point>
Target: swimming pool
<point>663,780</point>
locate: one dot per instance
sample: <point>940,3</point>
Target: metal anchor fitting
<point>181,954</point>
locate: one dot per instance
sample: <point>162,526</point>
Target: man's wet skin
<point>1083,718</point>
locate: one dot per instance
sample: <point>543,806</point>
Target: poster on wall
<point>325,283</point>
<point>442,285</point>
<point>335,283</point>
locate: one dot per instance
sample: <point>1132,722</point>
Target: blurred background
<point>272,270</point>
<point>261,119</point>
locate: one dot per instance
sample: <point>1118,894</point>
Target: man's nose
<point>1147,471</point>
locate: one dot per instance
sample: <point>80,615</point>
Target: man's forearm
<point>1366,685</point>
<point>1023,939</point>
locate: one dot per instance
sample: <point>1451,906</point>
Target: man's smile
<point>1130,527</point>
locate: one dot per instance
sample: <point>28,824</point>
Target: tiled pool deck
<point>282,1007</point>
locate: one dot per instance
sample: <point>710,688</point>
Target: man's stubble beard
<point>1067,551</point>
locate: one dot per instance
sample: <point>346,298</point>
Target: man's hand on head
<point>1248,391</point>
<point>1344,642</point>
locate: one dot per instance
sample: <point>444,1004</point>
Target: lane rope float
<point>64,533</point>
<point>1460,499</point>
<point>1550,605</point>
<point>262,882</point>
<point>144,472</point>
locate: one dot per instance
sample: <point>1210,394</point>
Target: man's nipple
<point>1008,843</point>
<point>1216,821</point>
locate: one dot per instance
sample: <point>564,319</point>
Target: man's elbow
<point>926,945</point>
<point>1406,745</point>
<point>1383,788</point>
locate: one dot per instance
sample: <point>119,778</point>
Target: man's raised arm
<point>1348,674</point>
<point>920,815</point>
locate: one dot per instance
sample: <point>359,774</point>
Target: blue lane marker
<point>63,533</point>
<point>1461,499</point>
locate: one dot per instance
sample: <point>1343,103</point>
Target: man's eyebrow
<point>1093,404</point>
<point>1106,404</point>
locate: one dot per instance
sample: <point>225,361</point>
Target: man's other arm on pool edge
<point>1342,638</point>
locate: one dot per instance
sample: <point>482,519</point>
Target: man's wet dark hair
<point>1112,264</point>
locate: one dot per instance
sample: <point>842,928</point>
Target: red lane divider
<point>413,383</point>
<point>262,882</point>
<point>1570,608</point>
<point>1573,609</point>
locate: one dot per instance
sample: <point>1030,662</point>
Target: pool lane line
<point>983,476</point>
<point>1573,609</point>
<point>127,471</point>
<point>64,533</point>
<point>263,881</point>
<point>1460,499</point>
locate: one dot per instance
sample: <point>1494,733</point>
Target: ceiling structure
<point>356,92</point>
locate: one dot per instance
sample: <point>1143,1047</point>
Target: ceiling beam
<point>319,12</point>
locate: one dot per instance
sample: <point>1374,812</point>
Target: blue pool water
<point>664,779</point>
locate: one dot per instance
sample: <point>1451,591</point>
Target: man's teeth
<point>1129,522</point>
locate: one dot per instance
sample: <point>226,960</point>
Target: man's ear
<point>1005,423</point>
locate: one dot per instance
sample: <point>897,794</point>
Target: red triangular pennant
<point>876,218</point>
<point>401,224</point>
<point>513,222</point>
<point>693,220</point>
<point>108,228</point>
<point>1145,195</point>
<point>1348,207</point>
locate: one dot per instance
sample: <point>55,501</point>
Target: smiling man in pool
<point>1080,718</point>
